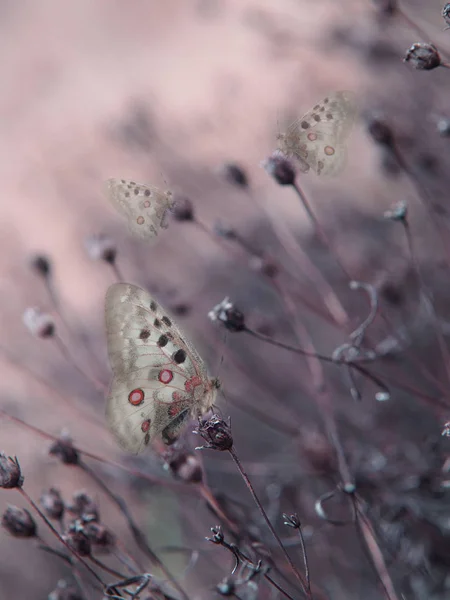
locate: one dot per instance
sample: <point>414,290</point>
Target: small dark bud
<point>226,587</point>
<point>446,430</point>
<point>398,212</point>
<point>78,541</point>
<point>10,473</point>
<point>264,265</point>
<point>84,506</point>
<point>216,433</point>
<point>235,174</point>
<point>217,537</point>
<point>38,323</point>
<point>41,264</point>
<point>183,209</point>
<point>99,536</point>
<point>292,521</point>
<point>423,56</point>
<point>19,523</point>
<point>184,465</point>
<point>226,231</point>
<point>443,127</point>
<point>280,168</point>
<point>101,247</point>
<point>446,14</point>
<point>64,450</point>
<point>52,504</point>
<point>228,315</point>
<point>380,131</point>
<point>64,591</point>
<point>181,309</point>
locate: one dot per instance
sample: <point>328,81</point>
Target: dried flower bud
<point>78,541</point>
<point>292,521</point>
<point>84,506</point>
<point>64,450</point>
<point>446,430</point>
<point>398,212</point>
<point>380,131</point>
<point>423,56</point>
<point>183,209</point>
<point>280,168</point>
<point>19,523</point>
<point>42,265</point>
<point>264,265</point>
<point>99,536</point>
<point>216,433</point>
<point>217,537</point>
<point>446,14</point>
<point>443,127</point>
<point>235,174</point>
<point>52,504</point>
<point>65,591</point>
<point>38,323</point>
<point>184,465</point>
<point>226,313</point>
<point>10,473</point>
<point>226,587</point>
<point>101,247</point>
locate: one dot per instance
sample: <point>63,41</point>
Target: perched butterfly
<point>145,207</point>
<point>317,140</point>
<point>159,380</point>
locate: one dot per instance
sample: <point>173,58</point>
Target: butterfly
<point>317,140</point>
<point>144,206</point>
<point>159,380</point>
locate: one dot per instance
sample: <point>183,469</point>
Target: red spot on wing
<point>192,383</point>
<point>175,409</point>
<point>176,396</point>
<point>145,425</point>
<point>136,397</point>
<point>165,376</point>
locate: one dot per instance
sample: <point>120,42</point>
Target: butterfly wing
<point>318,138</point>
<point>158,377</point>
<point>144,206</point>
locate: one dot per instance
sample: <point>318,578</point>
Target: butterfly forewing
<point>158,375</point>
<point>318,138</point>
<point>145,207</point>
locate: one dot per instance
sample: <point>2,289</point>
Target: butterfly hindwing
<point>318,138</point>
<point>157,375</point>
<point>144,206</point>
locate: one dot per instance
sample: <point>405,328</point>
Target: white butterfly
<point>317,140</point>
<point>144,206</point>
<point>159,380</point>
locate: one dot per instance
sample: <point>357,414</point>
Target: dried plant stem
<point>105,568</point>
<point>138,536</point>
<point>249,485</point>
<point>64,349</point>
<point>118,275</point>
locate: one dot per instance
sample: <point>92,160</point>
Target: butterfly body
<point>159,379</point>
<point>144,206</point>
<point>317,140</point>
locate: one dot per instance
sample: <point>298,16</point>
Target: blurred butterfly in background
<point>144,206</point>
<point>159,380</point>
<point>317,140</point>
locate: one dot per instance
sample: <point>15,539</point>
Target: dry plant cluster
<point>330,479</point>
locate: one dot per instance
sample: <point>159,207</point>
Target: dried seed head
<point>183,209</point>
<point>41,265</point>
<point>423,56</point>
<point>446,14</point>
<point>64,450</point>
<point>101,247</point>
<point>443,127</point>
<point>216,433</point>
<point>99,536</point>
<point>217,537</point>
<point>380,131</point>
<point>64,591</point>
<point>10,473</point>
<point>292,521</point>
<point>184,465</point>
<point>235,174</point>
<point>84,506</point>
<point>52,504</point>
<point>38,323</point>
<point>19,523</point>
<point>446,430</point>
<point>280,168</point>
<point>78,541</point>
<point>228,315</point>
<point>398,212</point>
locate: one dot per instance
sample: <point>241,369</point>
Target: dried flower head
<point>216,433</point>
<point>423,56</point>
<point>446,430</point>
<point>380,131</point>
<point>10,473</point>
<point>84,506</point>
<point>183,209</point>
<point>292,521</point>
<point>101,247</point>
<point>65,591</point>
<point>217,537</point>
<point>52,504</point>
<point>235,174</point>
<point>280,168</point>
<point>99,536</point>
<point>228,315</point>
<point>398,212</point>
<point>19,523</point>
<point>446,14</point>
<point>41,265</point>
<point>38,323</point>
<point>78,541</point>
<point>443,127</point>
<point>64,450</point>
<point>184,465</point>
